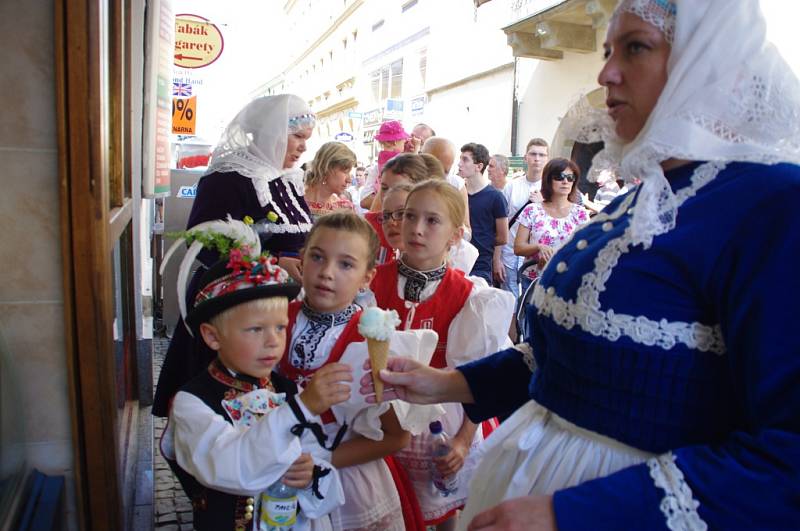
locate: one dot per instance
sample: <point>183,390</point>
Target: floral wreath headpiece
<point>242,274</point>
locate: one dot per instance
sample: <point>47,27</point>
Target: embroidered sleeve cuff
<point>627,499</point>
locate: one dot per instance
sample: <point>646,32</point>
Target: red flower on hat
<point>235,259</point>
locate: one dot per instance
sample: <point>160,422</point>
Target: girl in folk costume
<point>338,261</point>
<point>388,224</point>
<point>406,168</point>
<point>468,317</point>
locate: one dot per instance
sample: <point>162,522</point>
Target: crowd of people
<point>654,385</point>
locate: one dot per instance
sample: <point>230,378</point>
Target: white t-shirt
<point>517,192</point>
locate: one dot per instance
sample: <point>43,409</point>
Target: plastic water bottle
<point>278,507</point>
<point>440,446</point>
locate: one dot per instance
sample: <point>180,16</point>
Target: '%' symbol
<point>182,107</point>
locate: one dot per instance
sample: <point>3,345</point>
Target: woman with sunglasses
<point>544,226</point>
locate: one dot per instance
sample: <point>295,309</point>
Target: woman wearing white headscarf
<point>659,389</point>
<point>252,174</point>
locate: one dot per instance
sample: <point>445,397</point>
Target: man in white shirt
<point>518,192</point>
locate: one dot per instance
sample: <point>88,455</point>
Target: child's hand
<point>300,473</point>
<point>453,461</point>
<point>328,386</point>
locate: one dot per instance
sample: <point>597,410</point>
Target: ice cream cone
<point>379,357</point>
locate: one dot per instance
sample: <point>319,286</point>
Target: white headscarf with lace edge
<point>254,143</point>
<point>729,96</point>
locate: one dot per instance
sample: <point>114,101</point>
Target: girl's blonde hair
<point>409,164</point>
<point>329,157</point>
<point>353,223</point>
<point>453,201</point>
<point>278,304</point>
<point>435,168</point>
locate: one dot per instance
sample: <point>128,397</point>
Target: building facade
<point>367,61</point>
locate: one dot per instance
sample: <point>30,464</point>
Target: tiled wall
<point>31,293</point>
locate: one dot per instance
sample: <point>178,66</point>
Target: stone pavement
<point>172,510</point>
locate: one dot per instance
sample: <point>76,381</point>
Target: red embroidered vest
<point>297,375</point>
<point>435,313</point>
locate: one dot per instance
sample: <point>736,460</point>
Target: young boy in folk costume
<point>339,261</point>
<point>238,428</point>
<point>470,318</point>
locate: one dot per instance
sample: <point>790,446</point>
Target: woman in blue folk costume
<point>659,388</point>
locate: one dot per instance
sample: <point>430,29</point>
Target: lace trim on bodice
<point>587,313</point>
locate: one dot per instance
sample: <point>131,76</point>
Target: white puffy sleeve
<point>481,327</point>
<point>237,460</point>
<point>462,256</point>
<point>364,418</point>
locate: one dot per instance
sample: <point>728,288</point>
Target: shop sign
<point>355,115</point>
<point>198,42</point>
<point>394,109</point>
<point>184,115</point>
<point>372,117</point>
<point>187,192</point>
<point>418,105</point>
<point>343,137</point>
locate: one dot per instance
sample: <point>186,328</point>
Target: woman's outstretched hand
<point>531,513</point>
<point>412,381</point>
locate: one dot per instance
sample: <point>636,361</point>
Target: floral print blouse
<point>334,204</point>
<point>550,231</point>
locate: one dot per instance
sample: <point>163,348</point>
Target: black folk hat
<point>236,280</point>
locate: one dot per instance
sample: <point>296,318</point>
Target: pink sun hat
<point>391,131</point>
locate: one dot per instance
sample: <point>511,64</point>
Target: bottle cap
<point>435,427</point>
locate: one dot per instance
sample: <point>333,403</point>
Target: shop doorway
<point>98,207</point>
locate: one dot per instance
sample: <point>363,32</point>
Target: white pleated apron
<point>537,452</point>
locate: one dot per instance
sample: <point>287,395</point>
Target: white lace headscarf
<point>729,96</point>
<point>254,143</point>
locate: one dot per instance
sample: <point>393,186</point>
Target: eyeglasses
<point>388,217</point>
<point>569,177</point>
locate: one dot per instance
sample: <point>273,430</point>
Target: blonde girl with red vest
<point>338,261</point>
<point>470,318</point>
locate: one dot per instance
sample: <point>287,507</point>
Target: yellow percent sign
<point>184,115</point>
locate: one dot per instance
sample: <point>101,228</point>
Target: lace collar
<point>416,281</point>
